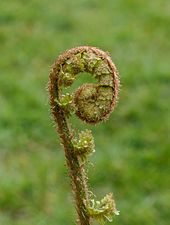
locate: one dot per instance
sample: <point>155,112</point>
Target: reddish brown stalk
<point>76,171</point>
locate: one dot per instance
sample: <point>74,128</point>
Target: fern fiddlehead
<point>92,103</point>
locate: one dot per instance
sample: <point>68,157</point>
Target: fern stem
<point>76,171</point>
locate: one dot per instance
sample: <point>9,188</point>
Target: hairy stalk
<point>75,170</point>
<point>92,103</point>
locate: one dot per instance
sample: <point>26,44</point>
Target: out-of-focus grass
<point>132,149</point>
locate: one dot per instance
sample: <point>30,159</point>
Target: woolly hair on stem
<point>92,103</point>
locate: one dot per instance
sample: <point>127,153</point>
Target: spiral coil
<point>92,102</point>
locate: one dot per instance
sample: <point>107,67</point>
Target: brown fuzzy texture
<point>54,76</point>
<point>76,170</point>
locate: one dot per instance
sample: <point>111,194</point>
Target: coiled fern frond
<point>92,103</point>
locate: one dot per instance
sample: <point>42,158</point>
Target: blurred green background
<point>132,157</point>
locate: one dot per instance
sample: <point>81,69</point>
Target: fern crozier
<point>92,103</point>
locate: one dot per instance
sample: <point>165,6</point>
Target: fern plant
<point>92,103</point>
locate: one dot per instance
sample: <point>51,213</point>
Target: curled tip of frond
<point>93,102</point>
